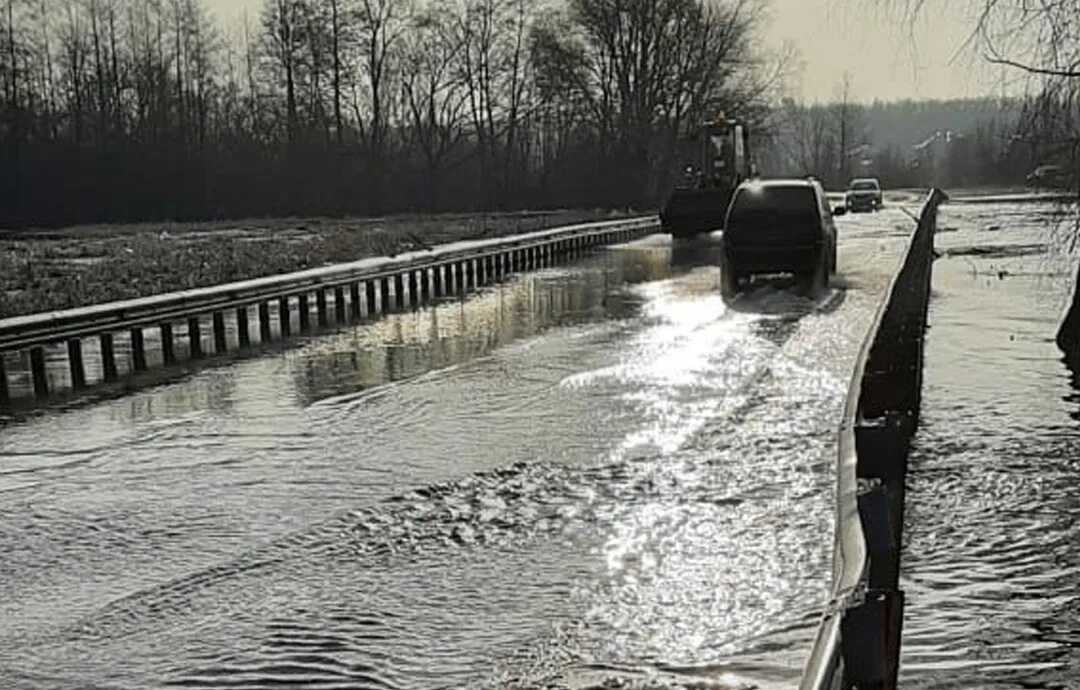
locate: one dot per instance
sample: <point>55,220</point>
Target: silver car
<point>863,194</point>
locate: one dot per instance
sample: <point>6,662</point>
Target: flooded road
<point>992,557</point>
<point>591,475</point>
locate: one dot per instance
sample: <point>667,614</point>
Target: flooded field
<point>992,559</point>
<point>592,476</point>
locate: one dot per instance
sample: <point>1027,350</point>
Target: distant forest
<point>117,110</point>
<point>124,110</point>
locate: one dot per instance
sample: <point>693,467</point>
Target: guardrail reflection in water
<point>858,642</point>
<point>193,324</point>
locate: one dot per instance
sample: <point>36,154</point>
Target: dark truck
<point>778,227</point>
<point>701,202</point>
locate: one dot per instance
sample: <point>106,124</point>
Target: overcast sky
<point>886,59</point>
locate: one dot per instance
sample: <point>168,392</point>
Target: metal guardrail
<point>427,273</point>
<point>858,641</point>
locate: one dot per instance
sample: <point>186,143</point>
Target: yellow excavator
<point>698,205</point>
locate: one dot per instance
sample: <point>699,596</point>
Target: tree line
<point>118,110</point>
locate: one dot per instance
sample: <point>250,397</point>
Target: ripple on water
<point>641,497</point>
<point>992,568</point>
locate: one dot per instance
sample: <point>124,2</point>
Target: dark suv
<point>779,226</point>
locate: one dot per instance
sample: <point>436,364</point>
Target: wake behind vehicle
<point>778,227</point>
<point>699,205</point>
<point>863,194</point>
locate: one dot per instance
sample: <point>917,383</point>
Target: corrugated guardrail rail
<point>858,642</point>
<point>355,290</point>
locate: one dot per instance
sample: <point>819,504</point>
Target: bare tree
<point>648,73</point>
<point>844,115</point>
<point>381,25</point>
<point>435,95</point>
<point>283,20</point>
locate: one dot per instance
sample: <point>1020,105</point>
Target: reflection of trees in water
<point>406,345</point>
<point>394,348</point>
<point>215,391</point>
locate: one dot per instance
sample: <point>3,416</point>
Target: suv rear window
<point>800,202</point>
<point>864,186</point>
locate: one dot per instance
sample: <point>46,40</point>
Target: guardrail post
<point>384,296</point>
<point>370,300</point>
<point>284,317</point>
<point>168,352</point>
<point>265,333</point>
<point>194,337</point>
<point>37,371</point>
<point>305,312</point>
<point>138,349</point>
<point>339,304</point>
<point>399,291</point>
<point>108,357</point>
<point>414,290</point>
<point>5,393</point>
<point>221,346</point>
<point>870,636</point>
<point>439,276</point>
<point>243,327</point>
<point>320,307</point>
<point>354,301</point>
<point>76,364</point>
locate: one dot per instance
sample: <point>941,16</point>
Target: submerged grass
<point>78,266</point>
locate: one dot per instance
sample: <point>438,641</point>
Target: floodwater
<point>593,475</point>
<point>992,552</point>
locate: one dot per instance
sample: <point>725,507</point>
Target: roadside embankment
<point>45,270</point>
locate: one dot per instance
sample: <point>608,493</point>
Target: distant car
<point>778,227</point>
<point>863,194</point>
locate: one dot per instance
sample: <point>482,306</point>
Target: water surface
<point>992,557</point>
<point>592,474</point>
